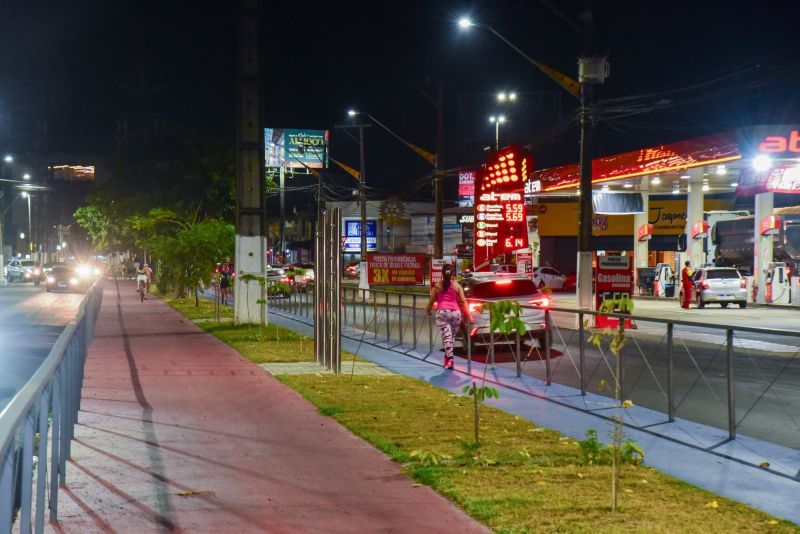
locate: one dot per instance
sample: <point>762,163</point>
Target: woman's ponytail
<point>446,276</point>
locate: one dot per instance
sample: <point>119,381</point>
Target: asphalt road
<point>30,322</point>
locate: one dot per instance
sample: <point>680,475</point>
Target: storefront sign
<point>778,144</point>
<point>466,188</point>
<point>613,280</point>
<point>500,216</point>
<point>396,269</point>
<point>466,219</point>
<point>524,261</point>
<point>700,230</point>
<point>770,225</point>
<point>352,235</point>
<point>645,232</point>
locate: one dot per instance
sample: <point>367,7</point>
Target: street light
<point>762,163</point>
<point>352,112</point>
<point>506,97</point>
<point>497,121</point>
<point>26,176</point>
<point>465,22</point>
<point>9,158</point>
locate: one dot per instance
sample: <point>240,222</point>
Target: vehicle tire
<point>723,304</point>
<point>743,304</point>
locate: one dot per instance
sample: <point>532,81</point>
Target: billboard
<point>500,219</point>
<point>396,269</point>
<point>466,188</point>
<point>352,235</point>
<point>295,148</point>
<point>72,173</point>
<point>613,280</point>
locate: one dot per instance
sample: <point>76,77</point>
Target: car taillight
<point>504,282</point>
<point>542,302</point>
<point>704,284</point>
<point>284,280</point>
<point>473,306</point>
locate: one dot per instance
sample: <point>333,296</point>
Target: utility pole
<point>438,189</point>
<point>250,183</point>
<point>363,282</point>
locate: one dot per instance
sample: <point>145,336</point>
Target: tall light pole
<point>591,71</point>
<point>27,195</point>
<point>497,121</point>
<point>363,282</point>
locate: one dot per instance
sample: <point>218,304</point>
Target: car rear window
<point>717,274</point>
<point>503,288</point>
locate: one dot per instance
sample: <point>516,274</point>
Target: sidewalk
<point>178,432</point>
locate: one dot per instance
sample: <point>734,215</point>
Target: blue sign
<point>352,236</point>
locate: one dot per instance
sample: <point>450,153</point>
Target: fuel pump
<point>777,284</point>
<point>662,278</point>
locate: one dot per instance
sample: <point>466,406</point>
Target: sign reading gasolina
<point>396,269</point>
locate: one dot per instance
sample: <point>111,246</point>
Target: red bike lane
<point>178,432</point>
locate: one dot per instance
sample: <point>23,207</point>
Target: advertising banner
<point>466,188</point>
<point>524,262</point>
<point>352,236</point>
<point>436,270</point>
<point>613,280</point>
<point>500,216</point>
<point>396,269</point>
<point>295,149</point>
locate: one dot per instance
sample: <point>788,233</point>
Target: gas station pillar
<point>762,244</point>
<point>640,248</point>
<point>694,213</point>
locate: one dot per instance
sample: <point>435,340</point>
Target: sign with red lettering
<point>436,270</point>
<point>466,188</point>
<point>770,225</point>
<point>396,269</point>
<point>613,280</point>
<point>500,216</point>
<point>778,144</point>
<point>645,232</point>
<point>524,262</point>
<point>700,230</point>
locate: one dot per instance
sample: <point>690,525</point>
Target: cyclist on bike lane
<point>141,277</point>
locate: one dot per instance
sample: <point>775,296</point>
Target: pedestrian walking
<point>448,298</point>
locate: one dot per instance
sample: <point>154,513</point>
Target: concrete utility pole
<point>250,231</point>
<point>438,189</point>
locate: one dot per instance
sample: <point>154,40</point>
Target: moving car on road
<point>549,277</point>
<point>63,278</point>
<point>719,285</point>
<point>23,271</point>
<point>488,287</point>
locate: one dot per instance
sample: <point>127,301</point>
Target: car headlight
<point>37,272</point>
<point>97,271</point>
<point>83,271</point>
<point>51,280</point>
<point>73,281</point>
<point>27,274</point>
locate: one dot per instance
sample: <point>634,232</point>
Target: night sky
<point>78,66</point>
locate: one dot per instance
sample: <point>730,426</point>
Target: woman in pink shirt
<point>449,298</point>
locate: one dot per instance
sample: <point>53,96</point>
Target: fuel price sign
<point>500,216</point>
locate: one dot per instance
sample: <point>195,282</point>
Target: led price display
<point>500,216</point>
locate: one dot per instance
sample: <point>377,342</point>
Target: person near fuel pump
<point>687,286</point>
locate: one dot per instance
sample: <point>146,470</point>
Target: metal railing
<point>37,426</point>
<point>738,379</point>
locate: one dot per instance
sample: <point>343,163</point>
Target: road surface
<point>30,322</point>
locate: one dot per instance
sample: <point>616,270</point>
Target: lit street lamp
<point>497,121</point>
<point>506,97</point>
<point>26,176</point>
<point>27,195</point>
<point>9,158</point>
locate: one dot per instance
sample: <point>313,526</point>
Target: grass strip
<point>522,478</point>
<point>267,344</point>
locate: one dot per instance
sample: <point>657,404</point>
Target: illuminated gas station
<point>707,200</point>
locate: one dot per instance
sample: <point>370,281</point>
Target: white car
<point>487,287</point>
<point>549,277</point>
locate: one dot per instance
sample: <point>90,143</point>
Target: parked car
<point>488,287</point>
<point>719,285</point>
<point>23,271</point>
<point>549,277</point>
<point>64,278</point>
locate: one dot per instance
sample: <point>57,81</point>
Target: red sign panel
<point>645,232</point>
<point>664,158</point>
<point>613,280</point>
<point>778,144</point>
<point>466,188</point>
<point>500,216</point>
<point>771,224</point>
<point>396,269</point>
<point>700,230</point>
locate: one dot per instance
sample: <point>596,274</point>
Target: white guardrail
<point>37,425</point>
